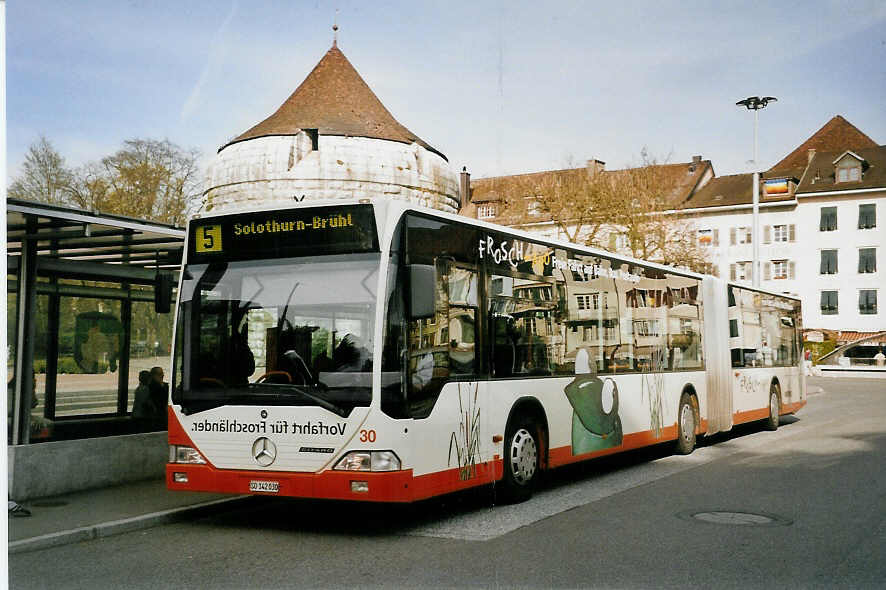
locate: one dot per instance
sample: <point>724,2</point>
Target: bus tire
<point>774,407</point>
<point>685,426</point>
<point>521,461</point>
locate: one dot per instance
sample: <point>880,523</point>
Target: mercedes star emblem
<point>264,451</point>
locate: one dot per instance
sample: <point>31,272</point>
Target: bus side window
<point>462,321</point>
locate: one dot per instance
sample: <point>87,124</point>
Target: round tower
<point>331,139</point>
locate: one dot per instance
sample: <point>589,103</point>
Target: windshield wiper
<point>323,403</point>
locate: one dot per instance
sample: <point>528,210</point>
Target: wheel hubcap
<point>687,426</point>
<point>524,455</point>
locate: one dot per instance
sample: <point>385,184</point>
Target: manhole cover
<point>49,503</point>
<point>734,518</point>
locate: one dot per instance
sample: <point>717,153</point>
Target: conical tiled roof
<point>837,134</point>
<point>335,100</point>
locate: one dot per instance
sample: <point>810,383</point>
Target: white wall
<point>805,252</point>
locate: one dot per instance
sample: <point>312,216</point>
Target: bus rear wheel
<point>774,407</point>
<point>521,464</point>
<point>685,426</point>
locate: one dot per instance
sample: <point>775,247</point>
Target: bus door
<point>446,395</point>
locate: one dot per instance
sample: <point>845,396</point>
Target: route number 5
<point>209,238</point>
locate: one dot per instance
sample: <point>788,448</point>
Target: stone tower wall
<point>285,169</point>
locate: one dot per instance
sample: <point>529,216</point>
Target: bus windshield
<point>285,331</point>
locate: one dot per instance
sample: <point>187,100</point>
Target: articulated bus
<point>385,352</point>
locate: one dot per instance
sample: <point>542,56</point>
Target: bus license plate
<point>264,486</point>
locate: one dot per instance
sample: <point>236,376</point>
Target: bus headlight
<point>369,461</point>
<point>182,454</point>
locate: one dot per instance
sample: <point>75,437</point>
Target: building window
<point>849,174</point>
<point>740,235</point>
<point>829,303</point>
<point>709,268</point>
<point>828,262</point>
<point>782,233</point>
<point>867,301</point>
<point>867,260</point>
<point>740,271</point>
<point>867,216</point>
<point>534,208</point>
<point>779,269</point>
<point>486,211</point>
<point>708,237</point>
<point>828,219</point>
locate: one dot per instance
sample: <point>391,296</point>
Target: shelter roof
<point>335,100</point>
<point>68,234</point>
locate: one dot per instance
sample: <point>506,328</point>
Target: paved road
<point>814,496</point>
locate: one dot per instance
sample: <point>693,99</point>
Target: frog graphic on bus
<point>596,424</point>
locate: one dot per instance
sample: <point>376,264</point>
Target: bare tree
<point>595,207</point>
<point>574,200</point>
<point>44,176</point>
<point>649,219</point>
<point>147,178</point>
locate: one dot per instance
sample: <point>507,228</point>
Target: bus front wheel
<point>774,407</point>
<point>521,463</point>
<point>685,426</point>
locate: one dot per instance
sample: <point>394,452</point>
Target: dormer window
<point>849,174</point>
<point>486,211</point>
<point>848,167</point>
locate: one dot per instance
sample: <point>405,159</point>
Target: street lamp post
<point>755,103</point>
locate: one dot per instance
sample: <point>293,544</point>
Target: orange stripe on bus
<point>563,455</point>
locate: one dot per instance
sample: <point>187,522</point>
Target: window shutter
<point>767,271</point>
<point>731,236</point>
<point>767,233</point>
<point>792,270</point>
<point>731,272</point>
<point>792,234</point>
<point>716,237</point>
<point>749,236</point>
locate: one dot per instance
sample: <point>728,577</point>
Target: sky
<point>500,87</point>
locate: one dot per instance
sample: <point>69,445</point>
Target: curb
<point>118,527</point>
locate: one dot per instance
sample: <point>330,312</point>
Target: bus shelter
<point>88,314</point>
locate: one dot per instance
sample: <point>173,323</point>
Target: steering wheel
<point>269,374</point>
<point>211,381</point>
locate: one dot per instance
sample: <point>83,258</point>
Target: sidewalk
<point>79,516</point>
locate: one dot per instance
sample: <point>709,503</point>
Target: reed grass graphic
<point>653,388</point>
<point>466,439</point>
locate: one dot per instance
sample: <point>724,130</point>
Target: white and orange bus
<point>384,352</point>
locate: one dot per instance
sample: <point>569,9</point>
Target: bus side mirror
<point>163,292</point>
<point>422,289</point>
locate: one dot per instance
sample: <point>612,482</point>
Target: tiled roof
<point>730,190</point>
<point>335,100</point>
<point>687,175</point>
<point>820,175</point>
<point>836,134</point>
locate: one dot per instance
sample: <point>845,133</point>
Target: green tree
<point>44,176</point>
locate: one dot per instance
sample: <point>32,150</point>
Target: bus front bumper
<point>391,486</point>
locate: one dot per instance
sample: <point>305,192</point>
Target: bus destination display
<point>314,231</point>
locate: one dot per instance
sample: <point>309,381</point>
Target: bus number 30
<point>367,436</point>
